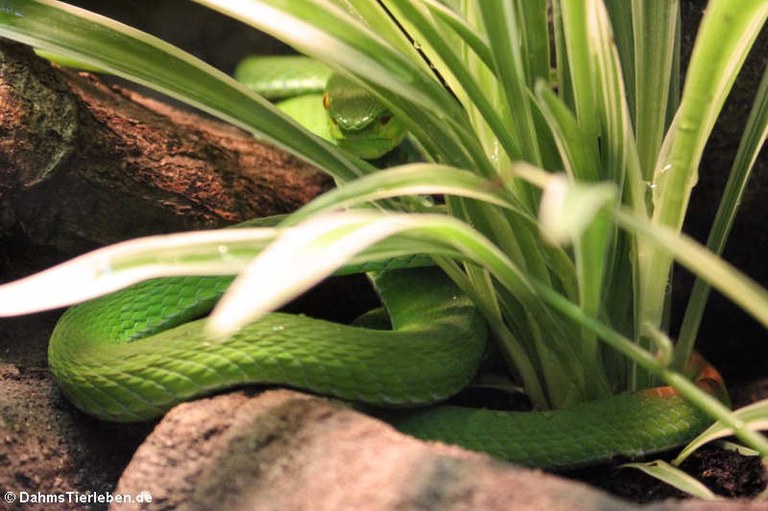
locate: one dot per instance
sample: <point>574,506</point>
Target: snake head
<point>358,121</point>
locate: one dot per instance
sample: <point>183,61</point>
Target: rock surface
<point>282,450</point>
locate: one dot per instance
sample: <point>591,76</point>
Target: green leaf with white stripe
<point>754,416</point>
<point>675,477</point>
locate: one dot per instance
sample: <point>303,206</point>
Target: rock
<point>282,450</point>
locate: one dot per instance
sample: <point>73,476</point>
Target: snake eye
<point>326,101</point>
<point>384,119</point>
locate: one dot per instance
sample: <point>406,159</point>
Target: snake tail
<point>628,425</point>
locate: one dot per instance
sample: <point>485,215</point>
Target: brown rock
<point>282,450</point>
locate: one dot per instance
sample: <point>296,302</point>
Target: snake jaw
<point>375,140</point>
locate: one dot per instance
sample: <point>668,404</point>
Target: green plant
<point>602,146</point>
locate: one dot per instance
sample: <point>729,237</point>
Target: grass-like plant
<point>557,132</point>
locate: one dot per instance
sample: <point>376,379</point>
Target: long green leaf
<point>577,151</point>
<point>380,22</point>
<point>471,37</point>
<point>752,140</point>
<point>727,32</point>
<point>322,244</point>
<point>580,66</point>
<point>432,179</point>
<point>576,213</point>
<point>675,477</point>
<point>655,25</point>
<point>413,179</point>
<point>600,96</point>
<point>620,161</point>
<point>219,252</point>
<point>563,68</point>
<point>433,36</point>
<point>109,269</point>
<point>500,19</point>
<point>726,35</point>
<point>754,416</point>
<point>742,290</point>
<point>620,12</point>
<point>533,22</point>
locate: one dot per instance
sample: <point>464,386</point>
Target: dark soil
<point>726,473</point>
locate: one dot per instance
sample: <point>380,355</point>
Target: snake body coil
<point>132,355</point>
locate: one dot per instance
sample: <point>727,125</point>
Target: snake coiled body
<point>132,355</point>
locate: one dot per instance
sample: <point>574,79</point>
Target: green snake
<point>329,104</point>
<point>132,355</point>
